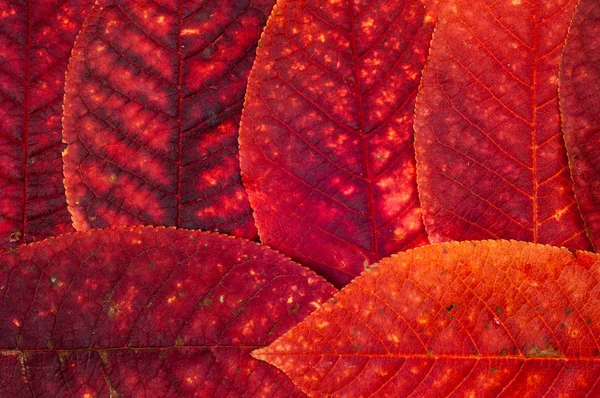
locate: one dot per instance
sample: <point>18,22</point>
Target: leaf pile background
<point>161,160</point>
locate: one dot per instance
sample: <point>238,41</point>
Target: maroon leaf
<point>140,311</point>
<point>153,99</point>
<point>491,161</point>
<point>36,38</point>
<point>326,137</point>
<point>580,106</point>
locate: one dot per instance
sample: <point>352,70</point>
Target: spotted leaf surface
<point>488,318</point>
<point>153,100</point>
<point>491,161</point>
<point>36,38</point>
<point>148,311</point>
<point>326,136</point>
<point>580,106</point>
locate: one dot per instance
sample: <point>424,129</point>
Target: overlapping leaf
<point>36,38</point>
<point>153,100</point>
<point>491,161</point>
<point>142,311</point>
<point>490,318</point>
<point>326,136</point>
<point>580,106</point>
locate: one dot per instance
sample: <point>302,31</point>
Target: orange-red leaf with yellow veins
<point>580,106</point>
<point>491,161</point>
<point>326,136</point>
<point>153,100</point>
<point>488,318</point>
<point>36,38</point>
<point>141,311</point>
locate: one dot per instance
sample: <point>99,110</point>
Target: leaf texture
<point>326,136</point>
<point>141,311</point>
<point>491,161</point>
<point>34,52</point>
<point>489,318</point>
<point>580,107</point>
<point>153,101</point>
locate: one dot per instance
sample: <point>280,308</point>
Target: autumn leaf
<point>137,311</point>
<point>580,106</point>
<point>491,161</point>
<point>472,318</point>
<point>34,50</point>
<point>326,136</point>
<point>153,100</point>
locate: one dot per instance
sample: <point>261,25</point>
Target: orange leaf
<point>475,317</point>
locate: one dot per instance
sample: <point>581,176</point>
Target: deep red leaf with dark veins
<point>36,38</point>
<point>153,101</point>
<point>580,106</point>
<point>491,161</point>
<point>326,137</point>
<point>141,311</point>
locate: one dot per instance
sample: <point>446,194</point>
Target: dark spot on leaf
<point>499,310</point>
<point>536,352</point>
<point>451,307</point>
<point>15,237</point>
<point>206,302</point>
<point>568,310</point>
<point>494,370</point>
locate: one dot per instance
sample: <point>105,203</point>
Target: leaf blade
<point>35,50</point>
<point>459,317</point>
<point>488,110</point>
<point>186,306</point>
<point>326,137</point>
<point>153,101</point>
<point>579,109</point>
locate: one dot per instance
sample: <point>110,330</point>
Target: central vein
<point>361,119</point>
<point>179,113</point>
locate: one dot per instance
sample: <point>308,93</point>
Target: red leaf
<point>491,161</point>
<point>142,311</point>
<point>33,59</point>
<point>580,106</point>
<point>463,319</point>
<point>153,99</point>
<point>326,138</point>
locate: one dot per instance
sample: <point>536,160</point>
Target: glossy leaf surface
<point>580,106</point>
<point>489,318</point>
<point>326,136</point>
<point>491,161</point>
<point>147,312</point>
<point>153,101</point>
<point>34,50</point>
